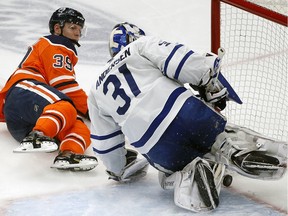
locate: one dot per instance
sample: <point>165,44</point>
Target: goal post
<point>254,34</point>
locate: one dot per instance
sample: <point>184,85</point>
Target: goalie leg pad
<point>259,165</point>
<point>250,153</point>
<point>260,142</point>
<point>194,187</point>
<point>166,181</point>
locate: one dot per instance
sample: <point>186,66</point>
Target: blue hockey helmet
<point>63,15</point>
<point>122,35</point>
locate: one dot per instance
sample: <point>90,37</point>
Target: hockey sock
<point>76,139</point>
<point>56,117</point>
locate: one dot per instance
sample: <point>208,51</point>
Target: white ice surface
<point>28,186</point>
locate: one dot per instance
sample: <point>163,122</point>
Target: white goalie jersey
<point>138,94</point>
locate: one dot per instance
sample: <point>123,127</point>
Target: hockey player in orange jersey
<point>42,101</point>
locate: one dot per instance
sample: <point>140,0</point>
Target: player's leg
<point>74,141</point>
<point>35,113</point>
<point>22,108</point>
<point>250,153</point>
<point>20,112</point>
<point>195,187</point>
<point>54,118</point>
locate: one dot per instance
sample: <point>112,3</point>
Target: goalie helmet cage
<point>254,34</point>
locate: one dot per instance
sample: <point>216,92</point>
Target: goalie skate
<point>74,162</point>
<point>37,142</point>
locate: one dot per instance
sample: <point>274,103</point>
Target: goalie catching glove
<point>134,170</point>
<point>209,88</point>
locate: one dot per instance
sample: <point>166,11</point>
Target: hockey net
<point>254,34</point>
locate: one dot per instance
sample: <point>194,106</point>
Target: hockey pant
<point>191,134</point>
<point>32,105</point>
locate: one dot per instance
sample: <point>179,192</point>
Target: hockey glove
<point>134,169</point>
<point>217,98</point>
<point>209,88</point>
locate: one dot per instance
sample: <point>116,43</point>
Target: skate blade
<point>82,166</point>
<point>28,148</point>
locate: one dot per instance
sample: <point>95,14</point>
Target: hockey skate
<point>68,160</point>
<point>36,141</point>
<point>250,153</point>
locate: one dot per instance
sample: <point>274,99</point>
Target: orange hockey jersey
<point>50,60</point>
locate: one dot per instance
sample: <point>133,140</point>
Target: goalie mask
<point>63,15</point>
<point>123,34</point>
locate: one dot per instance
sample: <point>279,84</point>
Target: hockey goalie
<point>141,98</point>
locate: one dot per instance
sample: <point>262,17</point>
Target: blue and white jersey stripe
<point>170,57</point>
<point>97,151</point>
<point>182,62</point>
<point>108,139</point>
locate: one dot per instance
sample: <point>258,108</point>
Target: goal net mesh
<point>256,65</point>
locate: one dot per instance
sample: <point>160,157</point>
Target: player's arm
<point>176,61</point>
<point>108,143</point>
<point>182,64</point>
<point>210,88</point>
